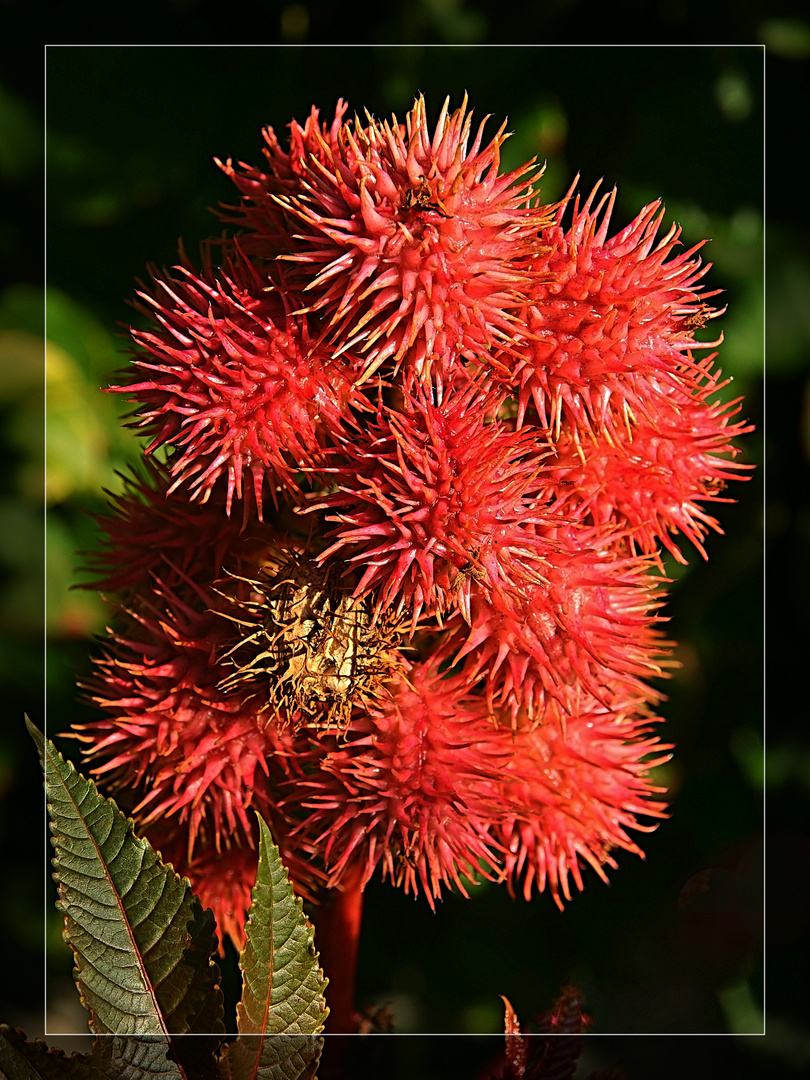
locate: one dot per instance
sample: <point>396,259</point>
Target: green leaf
<point>272,1057</point>
<point>141,941</point>
<point>143,1058</point>
<point>282,983</point>
<point>283,1007</point>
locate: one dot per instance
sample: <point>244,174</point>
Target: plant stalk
<point>337,938</point>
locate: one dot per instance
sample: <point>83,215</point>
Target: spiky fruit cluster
<point>397,584</point>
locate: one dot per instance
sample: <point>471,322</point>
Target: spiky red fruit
<point>571,791</point>
<point>411,786</point>
<point>435,505</point>
<point>611,323</point>
<point>170,738</point>
<point>651,479</point>
<point>589,626</point>
<point>430,785</point>
<point>411,245</point>
<point>236,384</point>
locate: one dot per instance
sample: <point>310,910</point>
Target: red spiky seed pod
<point>571,791</point>
<point>170,739</point>
<point>436,505</point>
<point>610,327</point>
<point>411,245</point>
<point>590,625</point>
<point>651,482</point>
<point>409,786</point>
<point>235,384</point>
<point>438,791</point>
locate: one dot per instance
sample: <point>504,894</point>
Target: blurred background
<point>674,945</point>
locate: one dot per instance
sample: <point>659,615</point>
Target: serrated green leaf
<point>141,941</point>
<point>283,985</point>
<point>142,1058</point>
<point>272,1057</point>
<point>283,1007</point>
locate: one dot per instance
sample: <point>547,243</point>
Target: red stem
<point>337,936</point>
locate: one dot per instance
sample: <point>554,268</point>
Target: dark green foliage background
<point>131,136</point>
